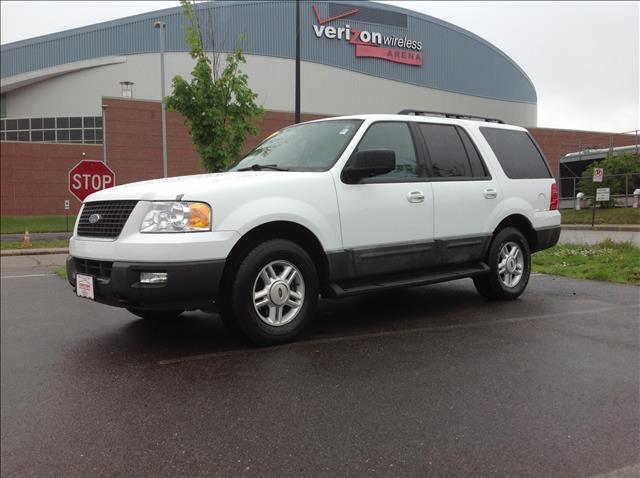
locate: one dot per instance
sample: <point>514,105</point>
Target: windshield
<point>304,147</point>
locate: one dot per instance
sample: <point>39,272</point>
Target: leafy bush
<point>615,167</point>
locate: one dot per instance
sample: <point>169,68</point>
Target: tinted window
<point>396,137</point>
<point>517,153</point>
<point>477,165</point>
<point>36,123</point>
<point>447,152</point>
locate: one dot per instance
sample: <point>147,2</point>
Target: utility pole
<point>161,26</point>
<point>297,61</point>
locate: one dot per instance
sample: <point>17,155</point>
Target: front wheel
<point>275,292</point>
<point>509,262</point>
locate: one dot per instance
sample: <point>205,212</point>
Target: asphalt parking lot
<point>432,381</point>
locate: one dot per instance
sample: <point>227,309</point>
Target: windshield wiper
<point>260,167</point>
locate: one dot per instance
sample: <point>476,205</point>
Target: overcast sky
<point>583,57</point>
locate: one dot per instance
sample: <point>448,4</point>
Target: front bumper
<point>190,285</point>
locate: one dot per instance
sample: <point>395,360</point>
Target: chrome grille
<point>111,217</point>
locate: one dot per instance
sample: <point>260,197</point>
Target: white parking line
<point>28,275</point>
<point>190,358</point>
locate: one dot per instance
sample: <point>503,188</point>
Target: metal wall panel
<point>454,60</point>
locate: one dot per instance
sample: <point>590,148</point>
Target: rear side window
<point>517,153</point>
<point>451,151</point>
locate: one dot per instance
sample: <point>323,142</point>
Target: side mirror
<point>368,163</point>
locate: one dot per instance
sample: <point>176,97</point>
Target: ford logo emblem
<point>94,218</point>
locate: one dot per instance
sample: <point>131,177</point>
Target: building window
<point>3,106</point>
<point>76,129</point>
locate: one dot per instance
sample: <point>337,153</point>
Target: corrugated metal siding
<point>454,60</point>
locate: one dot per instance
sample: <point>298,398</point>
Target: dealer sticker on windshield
<point>84,286</point>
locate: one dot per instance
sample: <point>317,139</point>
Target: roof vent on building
<point>127,89</point>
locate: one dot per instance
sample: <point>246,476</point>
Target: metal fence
<point>622,187</point>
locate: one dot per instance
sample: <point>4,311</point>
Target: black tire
<point>490,285</point>
<point>156,314</point>
<point>241,300</point>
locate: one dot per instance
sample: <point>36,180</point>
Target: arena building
<point>63,93</point>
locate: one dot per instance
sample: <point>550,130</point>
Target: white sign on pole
<point>598,174</point>
<point>602,194</point>
<point>67,206</point>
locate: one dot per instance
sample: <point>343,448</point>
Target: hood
<point>196,187</point>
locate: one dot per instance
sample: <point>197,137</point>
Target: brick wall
<point>555,143</point>
<point>34,177</point>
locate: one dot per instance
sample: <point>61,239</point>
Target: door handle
<point>490,193</point>
<point>415,196</point>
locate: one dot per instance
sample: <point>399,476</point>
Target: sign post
<point>67,206</point>
<point>88,177</point>
<point>598,176</point>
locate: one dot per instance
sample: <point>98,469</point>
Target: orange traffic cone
<point>26,240</point>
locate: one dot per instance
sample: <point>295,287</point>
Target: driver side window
<point>396,137</point>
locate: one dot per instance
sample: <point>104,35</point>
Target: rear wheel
<point>156,314</point>
<point>274,293</point>
<point>509,262</point>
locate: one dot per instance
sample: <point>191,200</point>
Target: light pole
<point>161,26</point>
<point>297,81</point>
<point>104,133</point>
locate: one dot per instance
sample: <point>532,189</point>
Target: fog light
<point>153,277</point>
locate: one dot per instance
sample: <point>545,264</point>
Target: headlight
<point>174,216</point>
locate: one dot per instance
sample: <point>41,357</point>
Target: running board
<point>396,281</point>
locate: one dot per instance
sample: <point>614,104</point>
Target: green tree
<point>220,110</point>
<point>615,167</point>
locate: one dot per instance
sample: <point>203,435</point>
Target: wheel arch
<point>521,223</point>
<point>288,230</point>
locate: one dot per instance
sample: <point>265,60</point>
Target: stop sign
<point>88,176</point>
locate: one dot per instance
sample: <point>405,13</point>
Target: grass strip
<point>619,215</point>
<point>18,224</point>
<point>606,261</point>
<point>61,272</point>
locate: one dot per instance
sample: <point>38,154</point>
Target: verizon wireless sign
<point>369,44</point>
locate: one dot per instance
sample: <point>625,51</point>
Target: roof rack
<point>449,115</point>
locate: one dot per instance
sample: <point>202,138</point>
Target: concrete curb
<point>33,252</point>
<point>602,227</point>
<point>38,236</point>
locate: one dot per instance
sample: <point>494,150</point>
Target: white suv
<point>328,208</point>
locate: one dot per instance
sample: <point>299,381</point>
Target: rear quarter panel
<point>527,197</point>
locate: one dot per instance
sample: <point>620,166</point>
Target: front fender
<point>323,224</point>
